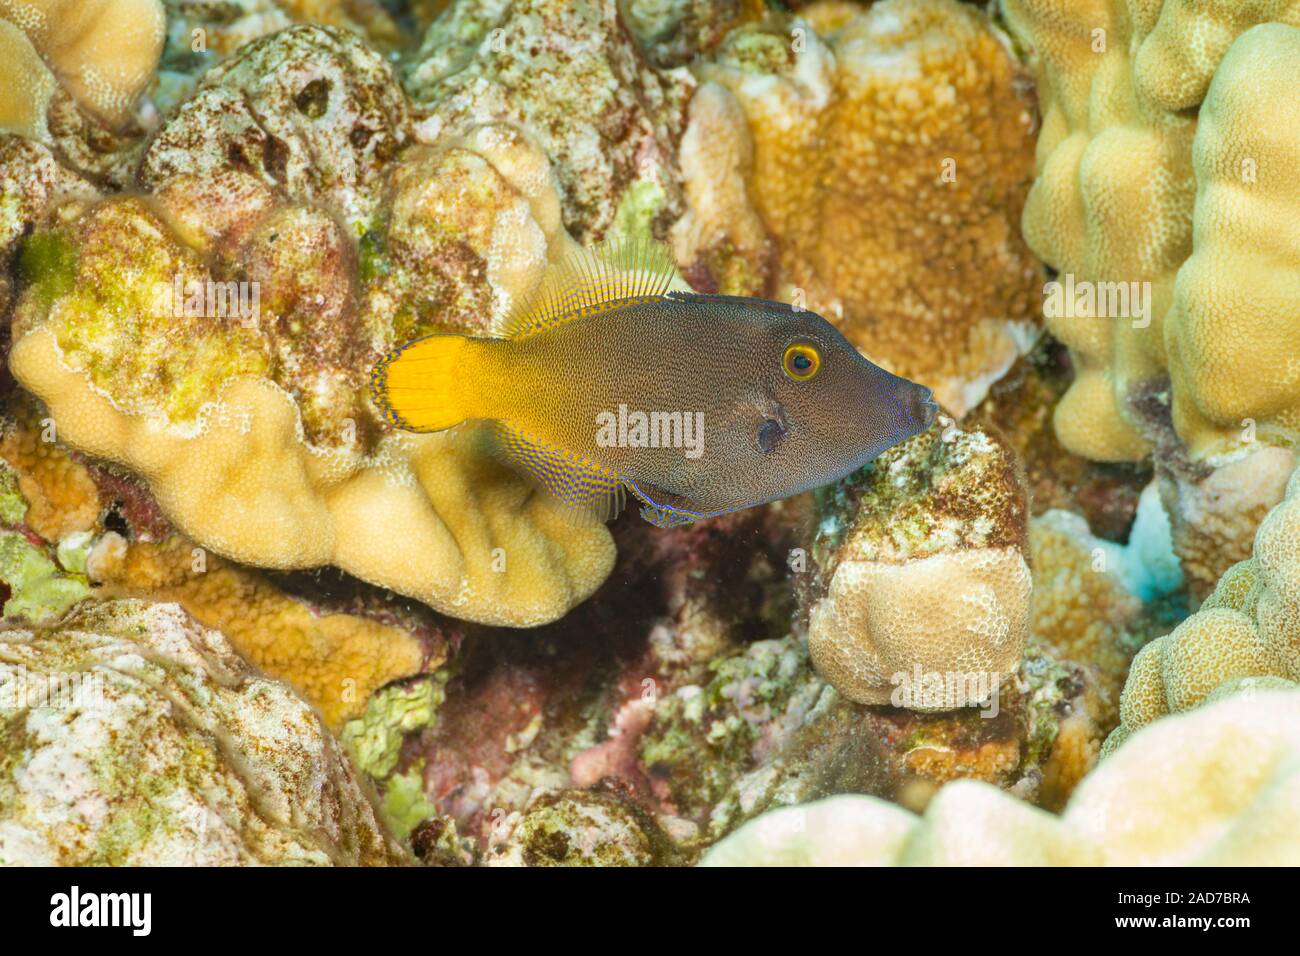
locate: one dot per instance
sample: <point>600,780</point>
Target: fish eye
<point>802,360</point>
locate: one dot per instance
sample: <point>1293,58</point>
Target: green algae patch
<point>702,738</point>
<point>73,551</point>
<point>47,264</point>
<point>405,804</point>
<point>641,204</point>
<point>39,590</point>
<point>138,311</point>
<point>375,738</point>
<point>13,506</point>
<point>372,255</point>
<point>759,50</point>
<point>588,828</point>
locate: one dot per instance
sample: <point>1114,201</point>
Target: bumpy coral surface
<point>335,660</point>
<point>1215,513</point>
<point>530,63</point>
<point>1135,188</point>
<point>199,268</point>
<point>26,97</point>
<point>134,736</point>
<point>103,51</point>
<point>891,144</point>
<point>926,590</point>
<point>1218,786</point>
<point>682,703</point>
<point>216,339</point>
<point>1247,630</point>
<point>57,552</point>
<point>1231,350</point>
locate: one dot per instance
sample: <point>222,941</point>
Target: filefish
<point>608,382</point>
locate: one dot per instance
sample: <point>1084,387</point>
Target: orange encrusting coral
<point>334,660</point>
<point>891,159</point>
<point>61,496</point>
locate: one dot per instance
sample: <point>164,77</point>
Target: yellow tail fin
<point>422,386</point>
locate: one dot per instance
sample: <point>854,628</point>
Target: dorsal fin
<point>587,281</point>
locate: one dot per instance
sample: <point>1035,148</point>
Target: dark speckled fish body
<point>697,404</point>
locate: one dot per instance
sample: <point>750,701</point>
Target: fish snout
<point>920,405</point>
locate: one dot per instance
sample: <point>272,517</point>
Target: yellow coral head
<point>103,52</point>
<point>28,86</point>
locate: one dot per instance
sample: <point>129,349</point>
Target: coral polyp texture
<point>1163,198</point>
<point>926,586</point>
<point>889,143</point>
<point>103,52</point>
<point>1214,787</point>
<point>527,63</point>
<point>26,97</point>
<point>1246,634</point>
<point>335,660</point>
<point>252,426</point>
<point>58,553</point>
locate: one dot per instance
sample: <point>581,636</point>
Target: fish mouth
<point>921,406</point>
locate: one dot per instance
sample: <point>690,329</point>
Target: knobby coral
<point>56,549</point>
<point>527,63</point>
<point>1218,786</point>
<point>335,660</point>
<point>1179,224</point>
<point>103,52</point>
<point>25,99</point>
<point>215,339</point>
<point>1247,631</point>
<point>926,587</point>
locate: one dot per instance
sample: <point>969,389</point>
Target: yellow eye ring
<point>801,361</point>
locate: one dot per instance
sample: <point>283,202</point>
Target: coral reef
<point>890,143</point>
<point>26,97</point>
<point>134,736</point>
<point>41,587</point>
<point>1086,605</point>
<point>581,828</point>
<point>1136,186</point>
<point>256,436</point>
<point>57,551</point>
<point>613,157</point>
<point>58,494</point>
<point>337,643</point>
<point>926,584</point>
<point>1217,786</point>
<point>721,239</point>
<point>673,33</point>
<point>335,660</point>
<point>1229,349</point>
<point>1215,515</point>
<point>688,723</point>
<point>1248,630</point>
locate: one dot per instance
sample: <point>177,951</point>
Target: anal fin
<point>588,490</point>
